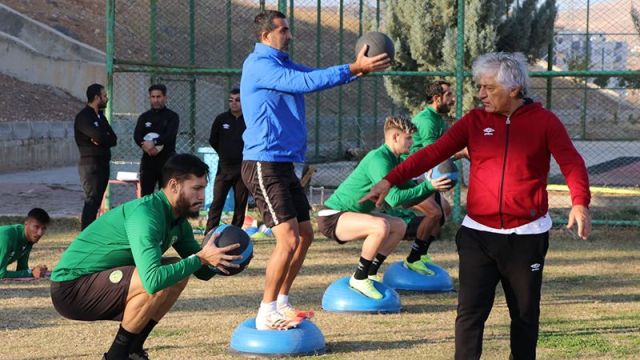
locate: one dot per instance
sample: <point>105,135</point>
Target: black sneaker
<point>140,355</point>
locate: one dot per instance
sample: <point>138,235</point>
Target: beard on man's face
<point>184,207</point>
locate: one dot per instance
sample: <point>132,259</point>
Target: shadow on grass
<point>12,290</point>
<point>601,298</point>
<point>345,347</point>
<point>27,317</point>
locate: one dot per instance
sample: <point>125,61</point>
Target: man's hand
<point>441,184</point>
<point>217,257</point>
<point>149,147</point>
<point>462,154</point>
<point>365,64</point>
<point>377,193</point>
<point>581,216</point>
<point>39,271</point>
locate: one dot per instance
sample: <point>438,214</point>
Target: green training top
<point>14,246</point>
<point>430,126</point>
<point>135,233</point>
<point>375,166</point>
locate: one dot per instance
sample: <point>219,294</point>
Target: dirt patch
<point>82,20</point>
<point>21,101</point>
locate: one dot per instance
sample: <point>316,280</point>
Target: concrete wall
<point>27,145</point>
<point>36,53</point>
<point>46,39</point>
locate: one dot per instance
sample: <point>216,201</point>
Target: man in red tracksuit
<point>505,235</point>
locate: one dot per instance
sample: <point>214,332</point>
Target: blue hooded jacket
<point>272,89</point>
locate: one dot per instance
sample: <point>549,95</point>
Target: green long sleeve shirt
<point>135,233</point>
<point>430,126</point>
<point>373,167</point>
<point>14,247</point>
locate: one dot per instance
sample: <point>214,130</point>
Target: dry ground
<point>590,308</point>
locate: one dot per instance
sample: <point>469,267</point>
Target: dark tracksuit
<point>226,140</point>
<point>94,137</point>
<point>165,123</point>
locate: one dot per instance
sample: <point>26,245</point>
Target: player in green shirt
<point>430,126</point>
<point>16,242</point>
<point>345,219</point>
<point>114,269</point>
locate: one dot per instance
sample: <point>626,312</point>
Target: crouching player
<point>345,219</point>
<point>114,269</point>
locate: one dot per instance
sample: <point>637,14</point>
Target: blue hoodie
<point>272,89</point>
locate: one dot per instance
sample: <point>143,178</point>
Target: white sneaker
<point>289,312</point>
<point>274,320</point>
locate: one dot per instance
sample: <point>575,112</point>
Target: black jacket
<point>164,122</point>
<point>226,138</point>
<point>87,127</point>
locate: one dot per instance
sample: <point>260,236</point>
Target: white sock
<point>266,308</point>
<point>283,300</point>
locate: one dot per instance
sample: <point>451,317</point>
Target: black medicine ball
<point>378,43</point>
<point>230,234</point>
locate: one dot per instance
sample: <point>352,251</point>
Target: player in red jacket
<point>505,235</point>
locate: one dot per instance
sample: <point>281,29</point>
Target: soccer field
<point>590,307</point>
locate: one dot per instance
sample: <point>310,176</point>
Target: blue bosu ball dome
<point>399,277</point>
<point>340,297</point>
<point>306,339</point>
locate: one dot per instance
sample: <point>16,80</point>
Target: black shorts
<point>327,224</point>
<point>412,228</point>
<point>99,296</point>
<point>277,191</point>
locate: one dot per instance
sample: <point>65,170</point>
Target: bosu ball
<point>305,339</point>
<point>340,297</point>
<point>399,277</point>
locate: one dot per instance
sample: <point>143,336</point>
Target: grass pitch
<point>590,307</point>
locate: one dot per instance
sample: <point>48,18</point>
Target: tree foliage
<point>424,33</point>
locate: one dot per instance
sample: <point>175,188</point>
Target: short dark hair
<point>434,88</point>
<point>39,215</point>
<point>183,166</point>
<point>159,87</point>
<point>93,90</point>
<point>264,22</point>
<point>234,91</point>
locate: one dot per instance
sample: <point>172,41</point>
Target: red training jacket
<point>509,163</point>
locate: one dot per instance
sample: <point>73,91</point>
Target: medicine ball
<point>230,234</point>
<point>378,43</point>
<point>447,168</point>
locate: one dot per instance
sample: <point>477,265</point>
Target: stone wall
<point>27,145</point>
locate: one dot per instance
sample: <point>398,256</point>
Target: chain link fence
<point>197,48</point>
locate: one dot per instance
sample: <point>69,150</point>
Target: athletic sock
<point>363,269</point>
<point>283,300</point>
<point>266,308</point>
<point>376,263</point>
<point>419,248</point>
<point>121,344</point>
<point>138,343</point>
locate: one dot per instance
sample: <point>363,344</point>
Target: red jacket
<point>509,163</point>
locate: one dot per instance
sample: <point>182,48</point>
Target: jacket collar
<point>269,51</point>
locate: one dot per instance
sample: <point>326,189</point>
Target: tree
<point>424,33</point>
<point>635,17</point>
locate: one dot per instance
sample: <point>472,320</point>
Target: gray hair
<point>509,69</point>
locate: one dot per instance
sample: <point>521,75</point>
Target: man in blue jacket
<point>272,89</point>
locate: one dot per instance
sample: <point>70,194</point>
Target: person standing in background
<point>226,140</point>
<point>95,138</point>
<point>155,133</point>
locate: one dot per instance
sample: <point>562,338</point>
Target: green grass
<point>590,307</point>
